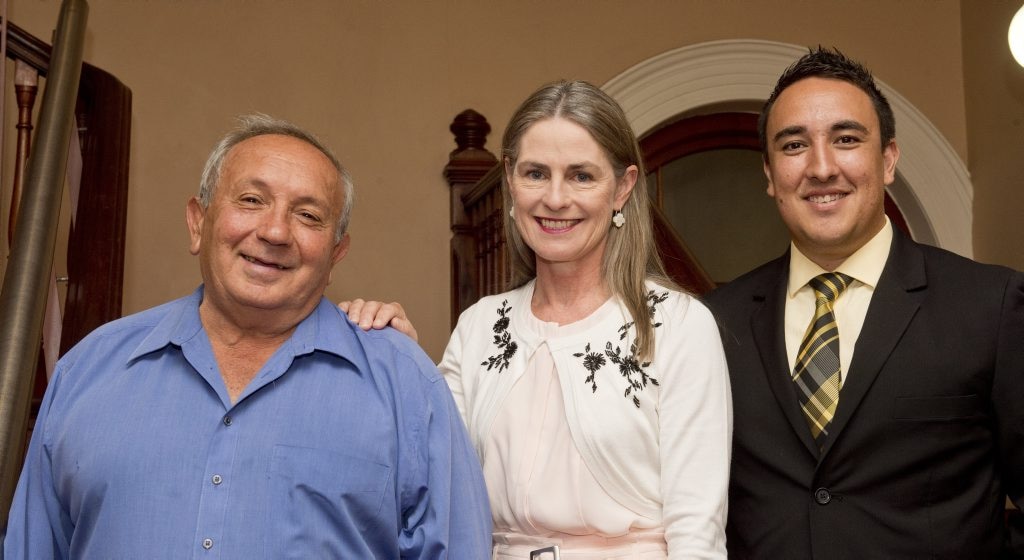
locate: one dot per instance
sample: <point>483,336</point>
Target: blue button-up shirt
<point>346,445</point>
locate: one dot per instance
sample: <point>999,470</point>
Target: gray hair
<point>258,124</point>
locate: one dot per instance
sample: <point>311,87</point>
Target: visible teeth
<point>557,224</point>
<point>255,261</point>
<point>823,198</point>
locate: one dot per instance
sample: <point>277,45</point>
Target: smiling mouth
<point>825,198</point>
<point>557,224</point>
<point>254,260</point>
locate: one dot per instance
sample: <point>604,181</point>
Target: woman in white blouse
<point>595,391</point>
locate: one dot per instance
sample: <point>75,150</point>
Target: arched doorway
<point>737,75</point>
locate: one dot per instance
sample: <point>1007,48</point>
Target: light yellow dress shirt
<point>865,266</point>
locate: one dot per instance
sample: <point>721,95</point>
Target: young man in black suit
<point>893,427</point>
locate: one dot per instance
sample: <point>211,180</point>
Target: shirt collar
<point>326,329</point>
<point>865,265</point>
<point>175,327</point>
<point>320,330</point>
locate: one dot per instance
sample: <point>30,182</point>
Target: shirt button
<point>207,544</point>
<point>822,496</point>
<point>217,479</point>
<point>227,420</point>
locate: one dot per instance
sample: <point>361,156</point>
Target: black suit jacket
<point>928,436</point>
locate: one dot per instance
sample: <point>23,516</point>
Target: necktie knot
<point>830,285</point>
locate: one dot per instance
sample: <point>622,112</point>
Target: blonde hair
<point>630,258</point>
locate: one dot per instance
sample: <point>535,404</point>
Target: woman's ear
<point>625,186</point>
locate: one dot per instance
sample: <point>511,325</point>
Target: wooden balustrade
<point>480,263</point>
<point>26,84</point>
<point>96,242</point>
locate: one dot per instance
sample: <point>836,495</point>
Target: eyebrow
<point>848,124</point>
<point>572,166</point>
<point>531,164</point>
<point>789,131</point>
<point>314,200</point>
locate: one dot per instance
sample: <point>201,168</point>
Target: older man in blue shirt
<point>251,419</point>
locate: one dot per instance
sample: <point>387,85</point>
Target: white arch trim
<point>683,79</point>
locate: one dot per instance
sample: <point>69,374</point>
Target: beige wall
<point>381,80</point>
<point>995,115</point>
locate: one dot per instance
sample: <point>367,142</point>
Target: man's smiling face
<point>267,239</point>
<point>827,169</point>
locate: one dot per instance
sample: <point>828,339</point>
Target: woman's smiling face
<point>564,190</point>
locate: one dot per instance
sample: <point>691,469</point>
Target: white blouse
<point>537,481</point>
<point>655,438</point>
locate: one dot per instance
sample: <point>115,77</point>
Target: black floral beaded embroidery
<point>629,367</point>
<point>653,300</point>
<point>503,340</point>
<point>592,361</point>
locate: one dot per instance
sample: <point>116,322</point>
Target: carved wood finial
<point>470,129</point>
<point>470,160</point>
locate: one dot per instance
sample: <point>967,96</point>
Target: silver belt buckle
<point>535,554</point>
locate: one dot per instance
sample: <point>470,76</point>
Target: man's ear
<point>341,249</point>
<point>890,155</point>
<point>194,216</point>
<point>770,190</point>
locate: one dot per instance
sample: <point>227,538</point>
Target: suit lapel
<point>899,293</point>
<point>767,324</point>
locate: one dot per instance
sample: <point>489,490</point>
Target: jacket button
<point>822,496</point>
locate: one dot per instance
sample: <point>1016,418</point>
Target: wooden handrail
<point>23,46</point>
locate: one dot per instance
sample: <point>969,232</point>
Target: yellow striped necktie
<point>817,371</point>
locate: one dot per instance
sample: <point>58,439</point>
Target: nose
<point>822,165</point>
<point>275,227</point>
<point>556,194</point>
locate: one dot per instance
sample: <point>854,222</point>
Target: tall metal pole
<point>23,298</point>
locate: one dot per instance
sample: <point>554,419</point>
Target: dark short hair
<point>832,64</point>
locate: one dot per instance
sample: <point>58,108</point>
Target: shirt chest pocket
<point>938,408</point>
<point>323,501</point>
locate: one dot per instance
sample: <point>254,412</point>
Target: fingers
<point>358,311</point>
<point>405,327</point>
<point>369,315</point>
<point>352,308</point>
<point>377,315</point>
<point>386,313</point>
